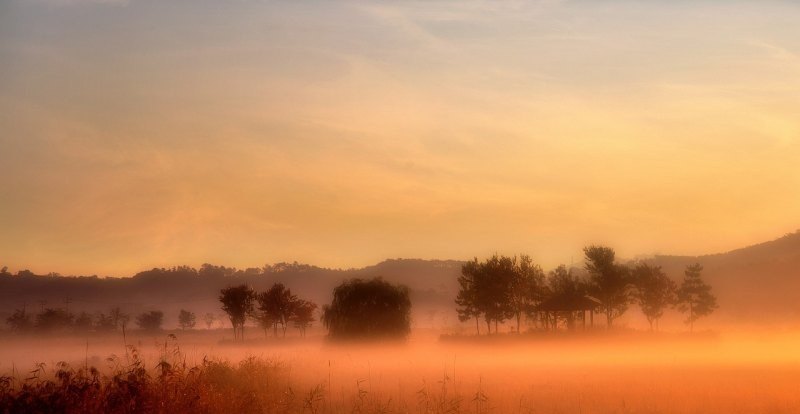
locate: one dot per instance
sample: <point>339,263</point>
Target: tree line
<point>504,288</point>
<point>274,308</point>
<point>50,320</point>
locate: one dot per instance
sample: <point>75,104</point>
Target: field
<point>204,371</point>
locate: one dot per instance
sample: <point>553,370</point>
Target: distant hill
<point>432,284</point>
<point>756,283</point>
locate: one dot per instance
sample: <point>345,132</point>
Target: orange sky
<point>137,133</point>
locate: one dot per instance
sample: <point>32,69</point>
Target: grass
<point>559,377</point>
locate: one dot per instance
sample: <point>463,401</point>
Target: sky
<point>138,134</point>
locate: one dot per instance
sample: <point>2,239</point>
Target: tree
<point>694,295</point>
<point>303,315</point>
<point>186,319</point>
<point>20,321</point>
<point>526,287</point>
<point>486,290</point>
<point>53,320</point>
<point>608,281</point>
<point>104,323</point>
<point>237,302</point>
<point>368,309</point>
<point>209,319</point>
<point>654,291</point>
<point>467,300</point>
<point>83,322</point>
<point>150,321</point>
<point>276,305</point>
<point>120,318</point>
<point>562,283</point>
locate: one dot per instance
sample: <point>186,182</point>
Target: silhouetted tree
<point>526,287</point>
<point>215,272</point>
<point>20,321</point>
<point>51,320</point>
<point>150,321</point>
<point>498,288</point>
<point>277,305</point>
<point>609,282</point>
<point>654,291</point>
<point>694,295</point>
<point>237,302</point>
<point>118,316</point>
<point>467,300</point>
<point>364,309</point>
<point>563,283</point>
<point>186,319</point>
<point>209,319</point>
<point>303,315</point>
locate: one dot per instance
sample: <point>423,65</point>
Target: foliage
<point>654,291</point>
<point>303,315</point>
<point>563,283</point>
<point>499,288</point>
<point>150,321</point>
<point>237,302</point>
<point>368,309</point>
<point>609,281</point>
<point>694,295</point>
<point>276,306</point>
<point>20,321</point>
<point>51,320</point>
<point>186,319</point>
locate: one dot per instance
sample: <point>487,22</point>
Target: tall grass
<point>548,378</point>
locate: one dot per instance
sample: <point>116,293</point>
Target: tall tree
<point>609,281</point>
<point>303,315</point>
<point>526,287</point>
<point>654,293</point>
<point>694,295</point>
<point>563,283</point>
<point>237,302</point>
<point>467,300</point>
<point>277,305</point>
<point>494,286</point>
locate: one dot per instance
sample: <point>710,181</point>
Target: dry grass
<point>556,378</point>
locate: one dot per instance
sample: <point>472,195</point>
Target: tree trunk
<point>518,315</point>
<point>477,325</point>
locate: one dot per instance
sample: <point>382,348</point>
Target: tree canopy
<point>368,309</point>
<point>694,295</point>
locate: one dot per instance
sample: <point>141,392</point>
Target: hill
<point>754,284</point>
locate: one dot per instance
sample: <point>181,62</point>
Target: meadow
<point>205,371</point>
